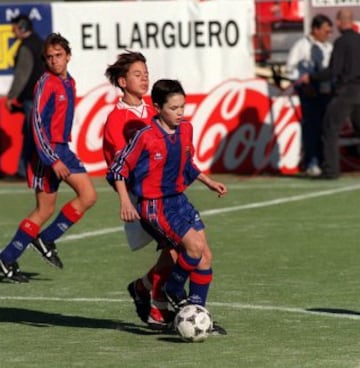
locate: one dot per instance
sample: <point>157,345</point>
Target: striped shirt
<point>157,164</point>
<point>54,106</point>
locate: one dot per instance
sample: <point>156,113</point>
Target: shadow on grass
<point>173,339</point>
<point>32,276</point>
<point>334,311</point>
<point>44,319</point>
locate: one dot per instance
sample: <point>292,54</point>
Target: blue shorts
<point>43,177</point>
<point>169,218</point>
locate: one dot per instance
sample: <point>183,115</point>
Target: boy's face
<point>172,112</point>
<point>136,81</point>
<point>56,60</point>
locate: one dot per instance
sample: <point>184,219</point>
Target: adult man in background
<point>344,69</point>
<point>311,54</point>
<point>28,68</point>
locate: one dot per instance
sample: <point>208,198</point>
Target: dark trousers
<point>26,133</point>
<point>313,112</point>
<point>344,105</point>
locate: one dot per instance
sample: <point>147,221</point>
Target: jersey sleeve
<point>44,101</point>
<point>114,140</point>
<point>191,171</point>
<point>125,162</point>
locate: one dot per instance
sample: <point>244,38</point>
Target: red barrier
<point>10,139</point>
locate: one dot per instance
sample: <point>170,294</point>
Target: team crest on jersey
<point>158,156</point>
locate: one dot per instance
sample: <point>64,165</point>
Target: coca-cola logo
<point>240,126</point>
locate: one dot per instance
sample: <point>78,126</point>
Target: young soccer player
<point>51,162</point>
<point>157,166</point>
<point>130,73</point>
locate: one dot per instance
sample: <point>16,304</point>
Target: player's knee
<point>89,199</point>
<point>199,248</point>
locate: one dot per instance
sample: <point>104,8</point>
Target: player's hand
<point>221,189</point>
<point>218,187</point>
<point>128,213</point>
<point>61,170</point>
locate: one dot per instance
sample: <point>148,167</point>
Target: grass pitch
<point>286,283</point>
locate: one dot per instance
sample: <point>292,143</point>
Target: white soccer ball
<point>193,323</point>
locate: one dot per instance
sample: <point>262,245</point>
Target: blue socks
<point>64,220</point>
<point>26,232</point>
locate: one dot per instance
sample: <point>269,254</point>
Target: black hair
<point>319,20</point>
<point>23,22</point>
<point>165,88</point>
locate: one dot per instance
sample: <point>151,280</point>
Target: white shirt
<point>301,57</point>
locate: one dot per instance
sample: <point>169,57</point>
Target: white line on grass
<point>217,211</point>
<point>89,234</point>
<point>333,313</point>
<point>277,201</point>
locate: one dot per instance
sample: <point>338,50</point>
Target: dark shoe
<point>48,251</point>
<point>326,176</point>
<point>177,301</point>
<point>12,272</point>
<point>141,301</point>
<point>217,330</point>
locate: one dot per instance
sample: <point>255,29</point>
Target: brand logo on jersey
<point>158,156</point>
<point>62,98</point>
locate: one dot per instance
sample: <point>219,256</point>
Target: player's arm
<point>114,140</point>
<point>41,119</point>
<point>191,171</point>
<point>128,212</point>
<point>216,186</point>
<point>120,171</point>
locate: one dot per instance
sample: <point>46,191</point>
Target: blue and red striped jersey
<point>157,164</point>
<point>54,106</point>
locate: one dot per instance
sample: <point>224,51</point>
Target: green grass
<point>286,283</point>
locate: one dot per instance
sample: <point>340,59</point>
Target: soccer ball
<point>193,323</point>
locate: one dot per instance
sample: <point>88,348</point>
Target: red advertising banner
<point>239,127</point>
